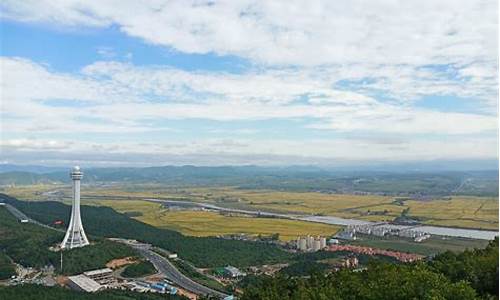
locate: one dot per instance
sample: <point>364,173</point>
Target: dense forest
<point>38,292</point>
<point>139,269</point>
<point>7,268</point>
<point>468,275</point>
<point>202,252</point>
<point>28,244</point>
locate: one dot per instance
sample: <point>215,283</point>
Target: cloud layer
<point>349,75</point>
<point>293,32</point>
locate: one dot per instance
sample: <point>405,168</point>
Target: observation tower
<point>75,236</point>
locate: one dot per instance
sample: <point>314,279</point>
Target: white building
<point>75,235</point>
<point>101,276</point>
<point>83,284</point>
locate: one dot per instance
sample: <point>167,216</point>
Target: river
<point>434,230</point>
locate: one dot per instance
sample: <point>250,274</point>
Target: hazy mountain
<point>292,178</point>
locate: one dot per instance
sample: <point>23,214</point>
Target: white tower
<point>75,236</point>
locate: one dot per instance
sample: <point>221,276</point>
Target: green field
<point>431,246</point>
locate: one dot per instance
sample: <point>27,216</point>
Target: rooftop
<point>98,272</point>
<point>85,283</point>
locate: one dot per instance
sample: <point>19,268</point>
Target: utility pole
<point>61,260</point>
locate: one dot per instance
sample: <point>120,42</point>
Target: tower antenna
<point>75,235</point>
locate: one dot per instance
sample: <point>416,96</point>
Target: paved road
<point>21,216</point>
<point>161,263</point>
<point>172,273</point>
<point>435,230</point>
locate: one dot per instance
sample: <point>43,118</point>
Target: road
<point>21,216</point>
<point>172,273</point>
<point>161,263</point>
<point>435,230</point>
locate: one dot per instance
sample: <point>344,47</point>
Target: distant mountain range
<point>394,181</point>
<point>29,168</point>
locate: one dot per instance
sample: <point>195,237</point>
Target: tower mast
<point>75,235</point>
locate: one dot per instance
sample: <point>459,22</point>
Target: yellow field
<point>203,223</point>
<point>309,203</point>
<point>478,212</point>
<point>31,192</point>
<point>461,211</point>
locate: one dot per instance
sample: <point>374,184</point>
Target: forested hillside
<point>468,275</point>
<point>38,292</point>
<point>203,252</point>
<point>28,244</point>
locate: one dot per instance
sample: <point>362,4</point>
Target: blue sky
<point>248,82</point>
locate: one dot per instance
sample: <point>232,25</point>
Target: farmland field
<point>454,211</point>
<point>204,223</point>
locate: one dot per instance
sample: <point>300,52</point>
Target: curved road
<point>161,263</point>
<point>172,273</point>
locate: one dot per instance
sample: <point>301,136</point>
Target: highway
<point>161,263</point>
<point>434,230</point>
<point>170,272</point>
<point>21,216</point>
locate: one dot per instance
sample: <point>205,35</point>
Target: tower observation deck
<point>75,236</point>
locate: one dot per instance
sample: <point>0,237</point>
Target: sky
<point>139,83</point>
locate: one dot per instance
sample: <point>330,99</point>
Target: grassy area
<point>430,246</point>
<point>34,192</point>
<point>202,223</point>
<point>139,269</point>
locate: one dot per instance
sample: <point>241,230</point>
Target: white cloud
<point>340,66</point>
<point>293,32</point>
<point>404,49</point>
<point>119,97</point>
<point>106,52</point>
<point>244,151</point>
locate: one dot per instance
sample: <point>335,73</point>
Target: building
<point>101,276</point>
<point>75,235</point>
<point>302,244</point>
<point>233,272</point>
<point>346,235</point>
<point>422,238</point>
<point>322,242</point>
<point>83,284</point>
<point>316,245</point>
<point>351,262</point>
<point>309,241</point>
<point>333,241</point>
